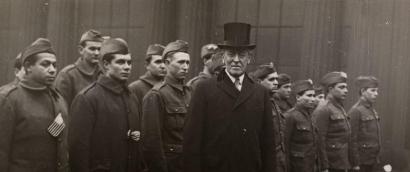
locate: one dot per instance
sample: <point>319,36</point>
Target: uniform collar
<point>150,79</point>
<point>174,82</point>
<point>305,111</point>
<point>31,85</point>
<point>85,69</point>
<point>365,103</point>
<point>112,84</point>
<point>335,102</point>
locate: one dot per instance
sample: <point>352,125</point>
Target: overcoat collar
<point>112,84</point>
<point>225,84</point>
<point>150,79</point>
<point>85,69</point>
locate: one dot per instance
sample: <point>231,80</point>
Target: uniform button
<point>58,164</point>
<point>176,109</point>
<point>59,140</point>
<point>244,130</point>
<point>172,150</point>
<point>333,146</point>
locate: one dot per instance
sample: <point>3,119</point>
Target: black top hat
<point>236,35</point>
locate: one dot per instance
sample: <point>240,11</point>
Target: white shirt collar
<point>233,78</point>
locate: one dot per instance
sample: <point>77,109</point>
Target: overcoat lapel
<point>226,85</point>
<point>246,91</point>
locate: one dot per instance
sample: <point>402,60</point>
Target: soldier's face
<point>90,52</point>
<point>157,66</point>
<point>320,97</point>
<point>339,91</point>
<point>119,68</point>
<point>308,99</point>
<point>370,94</point>
<point>236,61</point>
<point>178,65</point>
<point>284,90</point>
<point>44,70</point>
<point>271,81</point>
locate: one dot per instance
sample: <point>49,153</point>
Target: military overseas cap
<point>208,50</point>
<point>113,46</point>
<point>283,79</point>
<point>91,35</point>
<point>333,78</point>
<point>367,82</point>
<point>264,70</point>
<point>300,86</point>
<point>40,45</point>
<point>176,46</point>
<point>155,49</point>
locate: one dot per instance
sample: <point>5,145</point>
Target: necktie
<point>238,84</point>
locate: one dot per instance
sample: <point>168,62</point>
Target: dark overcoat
<point>26,111</point>
<point>101,116</point>
<point>229,130</point>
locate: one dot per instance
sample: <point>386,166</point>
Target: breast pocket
<point>304,133</point>
<point>338,123</point>
<point>175,117</point>
<point>366,122</point>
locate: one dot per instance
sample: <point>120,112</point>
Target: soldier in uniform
<point>333,123</point>
<point>73,78</point>
<point>18,72</point>
<point>319,95</point>
<point>105,117</point>
<point>302,138</point>
<point>165,110</point>
<point>366,134</point>
<point>267,76</point>
<point>207,54</point>
<point>33,116</point>
<point>155,74</point>
<point>282,94</point>
<point>230,126</point>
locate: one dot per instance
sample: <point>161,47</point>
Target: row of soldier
<point>85,117</point>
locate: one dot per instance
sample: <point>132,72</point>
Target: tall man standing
<point>164,112</point>
<point>105,130</point>
<point>366,134</point>
<point>33,116</point>
<point>267,76</point>
<point>333,123</point>
<point>73,78</point>
<point>155,74</point>
<point>282,94</point>
<point>230,124</point>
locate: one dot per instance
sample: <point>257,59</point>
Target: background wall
<point>304,38</point>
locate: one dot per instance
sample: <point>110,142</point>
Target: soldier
<point>333,123</point>
<point>207,54</point>
<point>230,125</point>
<point>165,110</point>
<point>302,138</point>
<point>73,78</point>
<point>105,131</point>
<point>319,95</point>
<point>267,76</point>
<point>282,94</point>
<point>155,74</point>
<point>33,116</point>
<point>18,72</point>
<point>366,134</point>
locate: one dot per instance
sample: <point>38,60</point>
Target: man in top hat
<point>333,123</point>
<point>210,64</point>
<point>230,124</point>
<point>282,94</point>
<point>267,76</point>
<point>366,134</point>
<point>33,116</point>
<point>155,74</point>
<point>305,149</point>
<point>18,72</point>
<point>73,78</point>
<point>105,117</point>
<point>165,110</point>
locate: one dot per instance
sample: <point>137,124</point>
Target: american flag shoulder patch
<point>57,126</point>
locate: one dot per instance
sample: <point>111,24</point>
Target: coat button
<point>171,149</point>
<point>244,130</point>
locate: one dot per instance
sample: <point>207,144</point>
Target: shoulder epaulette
<point>88,88</point>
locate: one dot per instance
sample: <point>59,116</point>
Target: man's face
<point>178,65</point>
<point>308,99</point>
<point>284,91</point>
<point>90,52</point>
<point>44,70</point>
<point>236,61</point>
<point>339,91</point>
<point>370,94</point>
<point>119,68</point>
<point>271,81</point>
<point>320,97</point>
<point>157,66</point>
